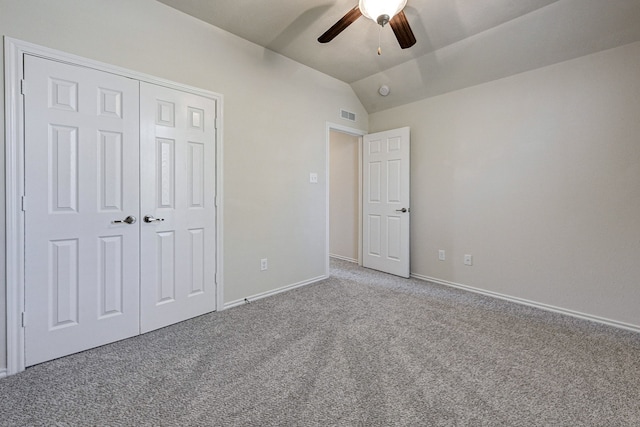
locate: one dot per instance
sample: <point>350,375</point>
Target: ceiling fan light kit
<point>381,11</point>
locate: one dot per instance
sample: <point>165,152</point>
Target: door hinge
<point>24,319</point>
<point>24,203</point>
<point>23,87</point>
<point>215,123</point>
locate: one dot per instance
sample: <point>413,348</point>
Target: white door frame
<point>14,51</point>
<point>355,132</point>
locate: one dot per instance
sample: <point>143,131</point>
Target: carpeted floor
<point>359,349</point>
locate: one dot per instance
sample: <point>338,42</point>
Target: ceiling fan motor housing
<point>383,20</point>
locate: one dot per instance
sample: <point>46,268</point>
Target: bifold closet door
<point>178,224</point>
<point>81,185</point>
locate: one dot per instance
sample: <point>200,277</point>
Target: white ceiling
<point>460,43</point>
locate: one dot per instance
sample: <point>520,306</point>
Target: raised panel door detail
<point>166,115</point>
<point>111,276</point>
<point>393,237</point>
<point>195,171</point>
<point>374,182</point>
<point>63,94</point>
<point>166,267</point>
<point>166,172</point>
<point>375,147</point>
<point>111,183</point>
<point>110,103</point>
<point>394,144</point>
<point>394,188</point>
<point>63,283</point>
<point>63,169</point>
<point>196,281</point>
<point>196,118</point>
<point>375,232</point>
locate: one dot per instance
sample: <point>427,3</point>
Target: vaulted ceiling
<point>460,43</point>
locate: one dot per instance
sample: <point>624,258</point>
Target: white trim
<point>3,373</point>
<point>522,301</point>
<point>343,258</point>
<point>355,132</point>
<point>273,292</point>
<point>219,205</point>
<point>14,51</point>
<point>14,221</point>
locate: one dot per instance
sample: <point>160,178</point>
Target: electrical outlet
<point>263,264</point>
<point>441,255</point>
<point>313,178</point>
<point>468,260</point>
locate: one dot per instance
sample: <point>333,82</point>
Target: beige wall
<point>343,195</point>
<point>538,177</point>
<point>275,114</point>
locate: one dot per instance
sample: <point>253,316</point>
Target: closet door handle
<point>149,218</point>
<point>401,210</point>
<point>128,220</point>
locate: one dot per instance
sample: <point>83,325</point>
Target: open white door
<point>177,202</point>
<point>386,201</point>
<point>81,176</point>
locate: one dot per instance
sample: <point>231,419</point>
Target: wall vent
<point>348,115</point>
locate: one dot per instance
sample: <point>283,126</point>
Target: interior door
<point>178,182</point>
<point>386,204</point>
<point>81,183</point>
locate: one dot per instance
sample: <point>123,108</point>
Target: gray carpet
<point>359,349</point>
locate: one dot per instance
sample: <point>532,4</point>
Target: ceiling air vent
<point>348,115</point>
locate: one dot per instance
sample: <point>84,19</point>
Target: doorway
<point>344,191</point>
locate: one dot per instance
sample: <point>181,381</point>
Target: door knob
<point>128,220</point>
<point>401,210</point>
<point>149,218</point>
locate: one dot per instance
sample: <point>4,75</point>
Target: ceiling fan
<point>380,11</point>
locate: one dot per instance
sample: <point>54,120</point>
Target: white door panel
<point>178,145</point>
<point>81,162</point>
<point>386,184</point>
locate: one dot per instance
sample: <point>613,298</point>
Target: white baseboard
<point>547,307</point>
<point>273,292</point>
<point>344,258</point>
<point>3,373</point>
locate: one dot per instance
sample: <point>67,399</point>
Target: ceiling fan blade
<point>402,30</point>
<point>339,26</point>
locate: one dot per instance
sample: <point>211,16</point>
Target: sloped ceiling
<point>460,43</point>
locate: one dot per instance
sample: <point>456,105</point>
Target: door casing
<point>14,51</point>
